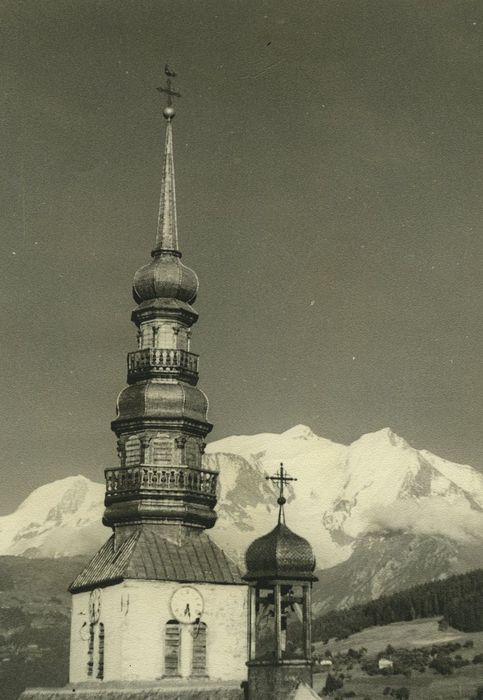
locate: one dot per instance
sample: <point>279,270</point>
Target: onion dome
<point>155,399</point>
<point>281,554</point>
<point>166,276</point>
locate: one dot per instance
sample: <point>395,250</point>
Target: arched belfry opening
<point>132,451</point>
<point>161,450</point>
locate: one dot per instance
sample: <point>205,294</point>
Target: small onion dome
<point>165,277</point>
<point>281,554</point>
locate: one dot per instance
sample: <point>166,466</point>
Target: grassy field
<point>462,683</point>
<point>417,633</point>
<point>429,686</point>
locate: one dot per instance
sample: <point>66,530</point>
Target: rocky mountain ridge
<point>370,508</point>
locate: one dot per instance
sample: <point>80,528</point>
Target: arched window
<point>90,649</point>
<point>166,336</point>
<point>172,645</point>
<point>192,453</point>
<point>100,653</point>
<point>133,451</point>
<point>161,451</point>
<point>199,649</point>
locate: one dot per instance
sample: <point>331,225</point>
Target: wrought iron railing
<point>126,480</point>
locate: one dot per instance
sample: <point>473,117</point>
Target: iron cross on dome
<point>168,90</point>
<point>282,478</point>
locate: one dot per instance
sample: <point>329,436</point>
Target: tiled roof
<point>148,555</point>
<point>280,554</point>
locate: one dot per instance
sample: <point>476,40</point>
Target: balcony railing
<point>133,480</point>
<point>164,362</point>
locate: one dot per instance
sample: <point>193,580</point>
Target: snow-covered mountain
<point>352,503</point>
<point>62,518</point>
<point>379,483</point>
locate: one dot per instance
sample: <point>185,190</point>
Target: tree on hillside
<point>332,683</point>
<point>457,599</point>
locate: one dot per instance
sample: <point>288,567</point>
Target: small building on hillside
<point>385,664</point>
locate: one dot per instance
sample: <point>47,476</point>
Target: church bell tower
<point>161,421</point>
<point>280,570</point>
<point>160,603</point>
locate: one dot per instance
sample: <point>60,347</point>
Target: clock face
<point>95,605</point>
<point>187,604</point>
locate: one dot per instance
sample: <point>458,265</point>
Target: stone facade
<point>148,691</point>
<point>134,615</point>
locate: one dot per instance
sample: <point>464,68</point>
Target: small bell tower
<point>280,568</point>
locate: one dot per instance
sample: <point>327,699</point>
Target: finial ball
<point>281,500</point>
<point>168,113</point>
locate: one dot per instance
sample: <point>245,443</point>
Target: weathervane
<point>168,111</point>
<point>282,478</point>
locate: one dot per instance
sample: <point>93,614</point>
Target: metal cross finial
<point>282,478</point>
<point>168,90</point>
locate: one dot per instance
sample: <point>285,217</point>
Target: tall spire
<point>162,416</point>
<point>167,231</point>
<point>165,277</point>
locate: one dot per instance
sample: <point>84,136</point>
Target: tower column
<point>252,621</point>
<point>307,593</point>
<point>186,653</point>
<point>278,622</point>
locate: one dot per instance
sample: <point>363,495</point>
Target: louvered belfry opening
<point>90,649</point>
<point>100,652</point>
<point>199,632</point>
<point>172,641</point>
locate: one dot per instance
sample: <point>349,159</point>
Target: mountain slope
<point>379,483</point>
<point>34,622</point>
<point>62,518</point>
<point>379,513</point>
<point>383,563</point>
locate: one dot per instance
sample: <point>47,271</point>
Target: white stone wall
<point>134,614</point>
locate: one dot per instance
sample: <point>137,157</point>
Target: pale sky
<point>329,171</point>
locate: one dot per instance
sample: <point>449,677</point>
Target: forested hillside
<point>34,622</point>
<point>458,599</point>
